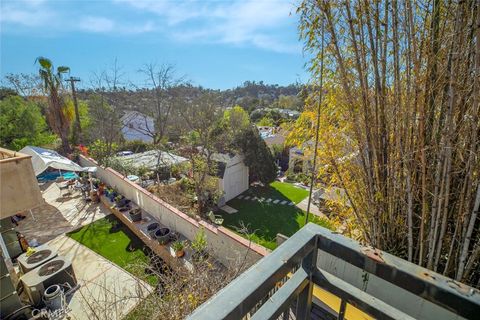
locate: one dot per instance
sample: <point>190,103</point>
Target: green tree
<point>206,136</point>
<point>236,119</point>
<point>57,113</point>
<point>266,122</point>
<point>7,92</point>
<point>258,157</point>
<point>22,124</point>
<point>102,152</point>
<point>84,117</point>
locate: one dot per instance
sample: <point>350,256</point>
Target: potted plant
<point>199,246</point>
<point>179,248</point>
<point>135,214</point>
<point>101,189</point>
<point>152,228</point>
<point>110,194</point>
<point>118,198</point>
<point>163,235</point>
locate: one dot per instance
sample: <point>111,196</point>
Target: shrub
<point>199,244</point>
<point>178,245</point>
<point>323,222</point>
<point>102,151</point>
<point>291,175</point>
<point>136,146</point>
<point>187,185</point>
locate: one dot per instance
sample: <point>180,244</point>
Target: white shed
<point>233,174</point>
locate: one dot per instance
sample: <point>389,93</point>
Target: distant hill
<point>250,96</point>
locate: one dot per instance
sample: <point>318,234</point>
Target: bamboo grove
<point>399,129</point>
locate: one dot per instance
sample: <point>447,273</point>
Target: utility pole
<point>77,132</point>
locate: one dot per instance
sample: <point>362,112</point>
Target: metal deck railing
<point>375,283</point>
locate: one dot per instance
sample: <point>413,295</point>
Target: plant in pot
<point>135,214</point>
<point>163,235</point>
<point>179,248</point>
<point>152,228</point>
<point>199,246</point>
<point>121,201</point>
<point>101,189</point>
<point>110,194</point>
<point>118,198</point>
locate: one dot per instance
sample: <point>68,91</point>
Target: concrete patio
<point>58,215</point>
<point>106,290</point>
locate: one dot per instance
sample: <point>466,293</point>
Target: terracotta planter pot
<point>179,253</point>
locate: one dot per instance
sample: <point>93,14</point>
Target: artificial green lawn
<point>115,242</point>
<point>265,220</point>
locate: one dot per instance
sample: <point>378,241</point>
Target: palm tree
<point>56,112</point>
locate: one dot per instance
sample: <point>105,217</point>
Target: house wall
<point>226,246</point>
<point>133,121</point>
<point>235,178</point>
<point>19,190</point>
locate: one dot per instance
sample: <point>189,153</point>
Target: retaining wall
<point>227,247</point>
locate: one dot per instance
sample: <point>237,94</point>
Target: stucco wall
<point>19,190</point>
<point>226,246</point>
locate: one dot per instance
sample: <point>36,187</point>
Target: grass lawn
<point>268,219</point>
<point>115,242</point>
<point>279,190</point>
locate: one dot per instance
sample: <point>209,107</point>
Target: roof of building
<point>221,157</point>
<point>152,159</point>
<point>277,139</point>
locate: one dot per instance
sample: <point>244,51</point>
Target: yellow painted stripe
<point>331,300</point>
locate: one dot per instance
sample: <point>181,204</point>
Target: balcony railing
<point>295,280</point>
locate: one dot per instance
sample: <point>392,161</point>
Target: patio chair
<point>215,218</point>
<point>78,186</point>
<point>62,186</point>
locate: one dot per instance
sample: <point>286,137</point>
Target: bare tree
<point>161,81</point>
<point>405,77</point>
<point>106,106</point>
<point>202,116</point>
<point>26,85</point>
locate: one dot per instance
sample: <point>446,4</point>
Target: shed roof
<point>152,159</point>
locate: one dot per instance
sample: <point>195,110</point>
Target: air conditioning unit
<point>56,271</point>
<point>43,254</point>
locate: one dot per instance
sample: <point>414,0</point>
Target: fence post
<point>304,300</point>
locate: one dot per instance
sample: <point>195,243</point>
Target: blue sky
<point>216,44</point>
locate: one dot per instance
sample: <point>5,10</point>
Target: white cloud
<point>259,23</point>
<point>99,24</point>
<point>235,22</point>
<point>44,16</point>
<point>25,12</point>
<point>96,24</point>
